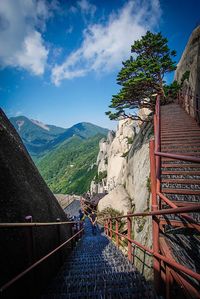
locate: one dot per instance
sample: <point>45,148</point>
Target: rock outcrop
<point>190,61</point>
<point>124,160</point>
<point>23,192</point>
<point>117,198</point>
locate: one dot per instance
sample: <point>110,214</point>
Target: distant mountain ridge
<point>40,138</point>
<point>70,167</point>
<point>65,157</point>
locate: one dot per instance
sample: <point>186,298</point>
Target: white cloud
<point>21,41</point>
<point>33,54</point>
<point>105,45</point>
<point>86,7</point>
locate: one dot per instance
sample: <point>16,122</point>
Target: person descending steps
<point>93,220</point>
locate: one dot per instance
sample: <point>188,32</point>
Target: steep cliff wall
<point>190,61</point>
<point>124,157</point>
<point>23,192</point>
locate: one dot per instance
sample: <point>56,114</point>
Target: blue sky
<point>59,59</point>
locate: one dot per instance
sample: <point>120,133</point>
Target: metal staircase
<point>97,269</point>
<point>180,183</point>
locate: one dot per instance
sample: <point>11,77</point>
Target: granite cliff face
<point>190,61</point>
<point>123,168</point>
<point>23,192</point>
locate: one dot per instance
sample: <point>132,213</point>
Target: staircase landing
<point>97,269</point>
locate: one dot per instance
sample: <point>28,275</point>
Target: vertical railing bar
<point>129,227</point>
<point>30,253</point>
<point>110,228</point>
<point>155,225</point>
<point>117,231</point>
<point>59,239</point>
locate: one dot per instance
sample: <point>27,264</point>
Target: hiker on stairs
<point>93,220</point>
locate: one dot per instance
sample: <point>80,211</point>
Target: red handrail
<point>191,208</point>
<point>169,261</point>
<point>157,197</point>
<point>178,157</point>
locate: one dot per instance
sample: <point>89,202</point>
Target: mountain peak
<point>40,138</point>
<point>40,124</point>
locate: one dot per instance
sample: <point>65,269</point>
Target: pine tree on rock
<point>142,76</point>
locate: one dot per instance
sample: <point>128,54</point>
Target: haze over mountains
<point>65,157</point>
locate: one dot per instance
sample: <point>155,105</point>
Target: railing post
<point>72,232</point>
<point>155,225</point>
<point>157,124</point>
<point>133,254</point>
<point>129,227</point>
<point>59,240</point>
<point>31,255</point>
<point>30,241</point>
<point>197,109</point>
<point>106,227</point>
<point>117,231</point>
<point>169,281</point>
<point>110,229</point>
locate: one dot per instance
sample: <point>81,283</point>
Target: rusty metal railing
<point>173,269</point>
<point>158,257</point>
<point>76,231</point>
<point>158,197</point>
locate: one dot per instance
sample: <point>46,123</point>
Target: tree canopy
<point>142,76</point>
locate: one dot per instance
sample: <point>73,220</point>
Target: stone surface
<point>117,199</point>
<point>135,177</point>
<point>23,192</point>
<point>190,61</point>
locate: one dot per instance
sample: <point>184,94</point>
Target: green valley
<point>65,157</point>
<point>71,167</point>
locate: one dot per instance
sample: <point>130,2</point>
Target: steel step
<point>192,165</point>
<point>180,191</point>
<point>181,181</point>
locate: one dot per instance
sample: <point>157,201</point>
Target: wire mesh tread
<point>97,269</point>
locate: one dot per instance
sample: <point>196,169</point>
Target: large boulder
<point>23,192</point>
<point>117,199</point>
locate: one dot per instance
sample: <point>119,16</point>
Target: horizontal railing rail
<point>33,224</point>
<point>178,157</point>
<point>169,261</point>
<point>192,208</point>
